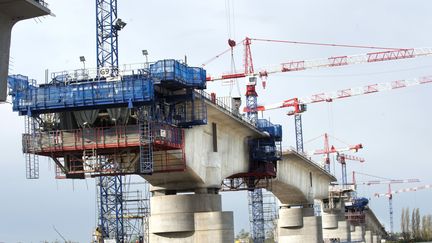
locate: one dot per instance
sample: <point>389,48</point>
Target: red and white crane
<point>385,54</point>
<point>389,194</point>
<point>342,158</point>
<point>389,54</point>
<point>296,103</point>
<point>411,189</point>
<point>299,105</point>
<point>327,150</point>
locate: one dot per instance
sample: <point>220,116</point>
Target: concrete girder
<point>374,225</point>
<point>10,13</point>
<point>299,180</point>
<point>205,167</point>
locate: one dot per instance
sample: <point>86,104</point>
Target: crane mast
<point>255,195</point>
<point>342,158</point>
<point>107,26</point>
<point>110,197</point>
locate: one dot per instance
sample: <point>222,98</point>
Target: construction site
<point>170,122</point>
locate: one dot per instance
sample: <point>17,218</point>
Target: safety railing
<point>190,112</point>
<point>225,107</point>
<point>165,137</point>
<point>100,74</point>
<point>42,2</point>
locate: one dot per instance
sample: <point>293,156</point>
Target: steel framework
<point>299,133</point>
<point>111,207</point>
<point>106,34</point>
<point>110,187</point>
<point>256,210</point>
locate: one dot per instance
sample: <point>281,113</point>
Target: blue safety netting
<point>17,83</point>
<point>358,203</point>
<point>274,130</point>
<point>174,74</point>
<point>263,149</point>
<point>28,99</point>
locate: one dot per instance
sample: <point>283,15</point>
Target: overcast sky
<point>394,126</point>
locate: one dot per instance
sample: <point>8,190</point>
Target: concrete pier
<point>376,238</point>
<point>190,218</point>
<point>368,236</point>
<point>357,233</point>
<point>10,13</point>
<point>299,224</point>
<point>335,226</point>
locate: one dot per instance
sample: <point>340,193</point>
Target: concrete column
<point>335,226</point>
<point>299,225</point>
<point>357,233</point>
<point>6,25</point>
<point>368,236</point>
<point>375,238</point>
<point>190,218</point>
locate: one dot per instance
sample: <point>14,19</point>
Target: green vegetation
<point>415,228</point>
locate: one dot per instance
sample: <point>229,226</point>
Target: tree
<point>417,233</point>
<point>426,230</point>
<point>415,224</point>
<point>405,224</point>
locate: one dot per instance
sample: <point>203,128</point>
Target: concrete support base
<point>299,225</point>
<point>368,236</point>
<point>190,218</point>
<point>376,238</point>
<point>336,227</point>
<point>357,233</point>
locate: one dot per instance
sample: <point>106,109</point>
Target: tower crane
<point>389,182</point>
<point>342,158</point>
<point>385,54</point>
<point>110,203</point>
<point>335,61</point>
<point>300,105</point>
<point>331,150</point>
<point>389,195</point>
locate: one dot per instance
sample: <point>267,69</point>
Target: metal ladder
<point>146,140</point>
<point>31,159</point>
<point>90,160</point>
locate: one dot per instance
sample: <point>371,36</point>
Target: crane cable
<point>230,15</point>
<point>326,44</point>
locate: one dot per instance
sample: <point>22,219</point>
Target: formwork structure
<point>94,123</point>
<point>94,127</point>
<point>98,124</point>
<point>353,209</point>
